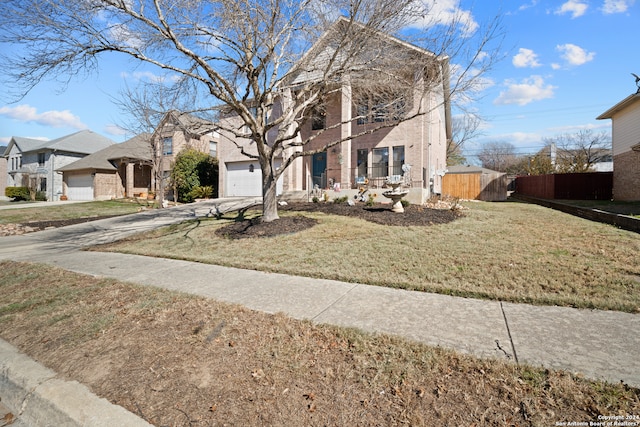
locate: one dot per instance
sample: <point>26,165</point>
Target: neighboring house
<point>3,171</point>
<point>129,169</point>
<point>120,170</point>
<point>625,117</point>
<point>178,131</point>
<point>475,183</point>
<point>415,148</point>
<point>37,161</point>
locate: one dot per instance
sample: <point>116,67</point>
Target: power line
<point>538,113</point>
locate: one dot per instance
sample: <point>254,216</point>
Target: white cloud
<point>528,5</point>
<point>123,35</point>
<point>574,55</point>
<point>575,7</point>
<point>53,118</point>
<point>150,77</point>
<point>528,90</point>
<point>526,58</point>
<point>616,6</point>
<point>447,12</point>
<point>113,129</point>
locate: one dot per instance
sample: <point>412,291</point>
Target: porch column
<point>292,178</point>
<point>129,180</point>
<point>346,174</point>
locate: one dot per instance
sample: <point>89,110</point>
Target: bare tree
<point>32,178</point>
<point>245,55</point>
<point>144,108</point>
<point>499,156</point>
<point>580,151</point>
<point>463,129</point>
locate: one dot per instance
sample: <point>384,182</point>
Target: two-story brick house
<point>37,160</point>
<point>370,151</point>
<point>129,169</point>
<point>625,117</point>
<point>178,131</point>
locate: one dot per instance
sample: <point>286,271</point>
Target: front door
<point>319,170</point>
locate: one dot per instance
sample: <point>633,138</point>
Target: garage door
<point>244,179</point>
<point>80,187</point>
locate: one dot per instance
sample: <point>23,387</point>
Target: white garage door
<point>80,187</point>
<point>244,179</point>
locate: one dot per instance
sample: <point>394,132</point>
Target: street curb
<point>39,398</point>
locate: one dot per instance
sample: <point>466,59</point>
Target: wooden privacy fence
<point>568,186</point>
<point>489,187</point>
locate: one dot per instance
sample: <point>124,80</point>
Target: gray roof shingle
<point>137,148</point>
<point>82,142</point>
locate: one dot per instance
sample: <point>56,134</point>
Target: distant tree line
<point>566,153</point>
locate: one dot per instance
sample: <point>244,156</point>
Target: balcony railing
<point>371,177</point>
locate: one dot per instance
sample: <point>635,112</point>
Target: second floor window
<point>167,145</point>
<point>41,159</point>
<point>380,108</point>
<point>318,118</point>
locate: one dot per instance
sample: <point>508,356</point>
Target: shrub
<point>17,193</point>
<point>405,203</point>
<point>201,192</point>
<point>315,199</point>
<point>342,199</point>
<point>41,196</point>
<point>194,169</point>
<point>370,200</point>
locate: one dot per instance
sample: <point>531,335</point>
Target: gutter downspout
<point>446,87</point>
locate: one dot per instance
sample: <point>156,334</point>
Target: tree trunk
<point>269,200</point>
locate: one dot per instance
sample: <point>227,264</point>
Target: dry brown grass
<point>507,251</point>
<point>38,212</point>
<point>180,360</point>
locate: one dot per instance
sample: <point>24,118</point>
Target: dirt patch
<point>380,214</point>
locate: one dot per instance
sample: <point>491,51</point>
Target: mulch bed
<point>381,214</point>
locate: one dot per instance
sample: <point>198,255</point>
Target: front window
<point>43,184</point>
<point>167,145</point>
<point>41,159</point>
<point>213,149</point>
<point>380,108</point>
<point>363,162</point>
<point>380,162</point>
<point>318,118</point>
<point>398,159</point>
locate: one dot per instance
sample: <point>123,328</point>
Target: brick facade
<point>626,176</point>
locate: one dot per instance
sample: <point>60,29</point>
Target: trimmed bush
<point>17,193</point>
<point>201,192</point>
<point>194,169</point>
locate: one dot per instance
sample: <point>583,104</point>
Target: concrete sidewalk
<point>597,344</point>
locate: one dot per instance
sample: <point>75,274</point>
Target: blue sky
<point>565,63</point>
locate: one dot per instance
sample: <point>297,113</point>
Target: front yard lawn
<point>30,212</point>
<point>505,251</point>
